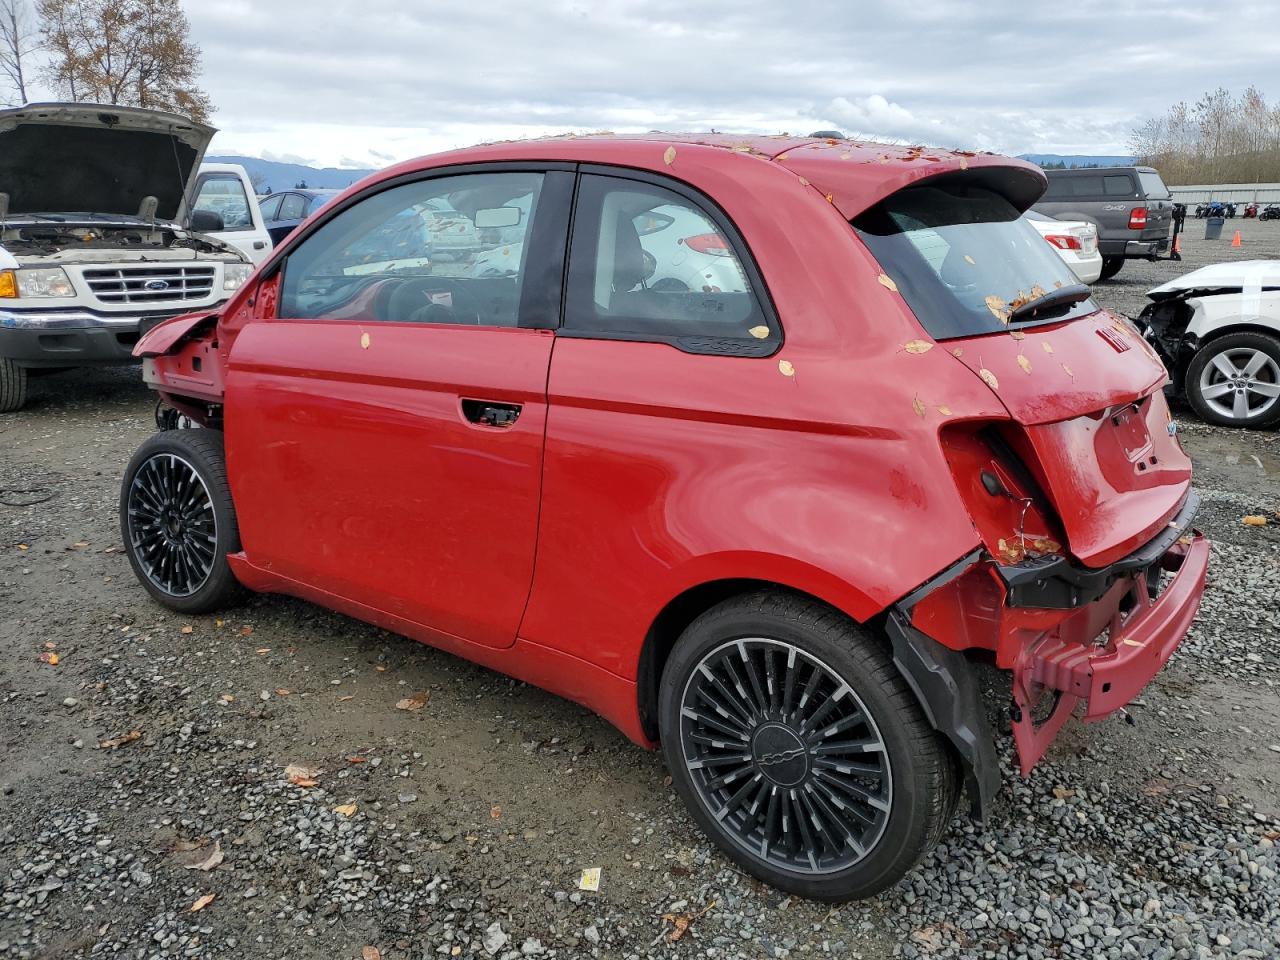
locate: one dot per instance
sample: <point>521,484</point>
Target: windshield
<point>964,260</point>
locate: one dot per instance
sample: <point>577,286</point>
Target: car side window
<point>270,207</point>
<point>293,207</point>
<point>442,250</point>
<point>223,194</point>
<point>1117,185</point>
<point>648,263</point>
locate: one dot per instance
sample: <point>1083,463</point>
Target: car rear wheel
<point>1110,267</point>
<point>1234,380</point>
<point>800,750</point>
<point>178,522</point>
<point>13,386</point>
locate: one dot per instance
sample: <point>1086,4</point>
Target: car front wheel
<point>178,521</point>
<point>800,750</point>
<point>1234,380</point>
<point>13,386</point>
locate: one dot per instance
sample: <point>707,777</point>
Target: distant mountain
<point>284,176</point>
<point>1070,160</point>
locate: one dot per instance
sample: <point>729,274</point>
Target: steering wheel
<point>410,302</point>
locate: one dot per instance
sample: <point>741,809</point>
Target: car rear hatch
<point>1159,205</point>
<point>1088,428</point>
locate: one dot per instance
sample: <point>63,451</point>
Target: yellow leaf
<point>1024,363</point>
<point>227,698</point>
<point>495,812</point>
<point>414,703</point>
<point>364,341</point>
<point>886,281</point>
<point>964,163</point>
<point>1046,545</point>
<point>50,658</point>
<point>918,406</point>
<point>1253,520</point>
<point>300,775</point>
<point>989,378</point>
<point>786,369</point>
<point>203,902</point>
<point>1048,347</point>
<point>830,198</point>
<point>759,332</point>
<point>1068,371</point>
<point>1017,334</point>
<point>186,630</point>
<point>969,260</point>
<point>944,410</point>
<point>669,157</point>
<point>917,346</point>
<point>23,546</point>
<point>346,809</point>
<point>590,879</point>
<point>1011,552</point>
<point>997,308</point>
<point>957,353</point>
<point>282,692</point>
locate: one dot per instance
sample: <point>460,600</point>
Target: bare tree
<point>128,52</point>
<point>1218,139</point>
<point>18,40</point>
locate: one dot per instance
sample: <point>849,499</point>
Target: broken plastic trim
<point>1058,584</point>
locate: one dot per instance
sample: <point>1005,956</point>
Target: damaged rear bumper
<point>1069,635</point>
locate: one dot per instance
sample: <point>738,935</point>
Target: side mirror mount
<point>206,221</point>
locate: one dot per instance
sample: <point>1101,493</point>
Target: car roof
<point>853,175</point>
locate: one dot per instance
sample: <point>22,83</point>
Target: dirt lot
<point>474,814</point>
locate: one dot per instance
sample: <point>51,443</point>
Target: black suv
<point>1130,206</point>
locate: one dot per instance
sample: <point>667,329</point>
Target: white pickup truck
<point>109,224</point>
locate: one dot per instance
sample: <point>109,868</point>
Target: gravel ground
<point>460,828</point>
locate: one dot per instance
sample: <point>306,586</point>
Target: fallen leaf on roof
<point>957,353</point>
<point>803,183</point>
<point>998,308</point>
<point>1254,520</point>
<point>1068,371</point>
<point>346,809</point>
<point>918,406</point>
<point>969,260</point>
<point>1024,363</point>
<point>1011,552</point>
<point>203,858</point>
<point>364,341</point>
<point>886,281</point>
<point>119,741</point>
<point>989,378</point>
<point>964,164</point>
<point>759,332</point>
<point>1046,545</point>
<point>831,198</point>
<point>1017,334</point>
<point>669,156</point>
<point>1048,347</point>
<point>203,902</point>
<point>917,346</point>
<point>1037,292</point>
<point>1058,284</point>
<point>414,703</point>
<point>944,410</point>
<point>786,368</point>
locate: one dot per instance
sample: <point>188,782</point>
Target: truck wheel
<point>13,385</point>
<point>799,749</point>
<point>1234,380</point>
<point>178,522</point>
<point>1110,267</point>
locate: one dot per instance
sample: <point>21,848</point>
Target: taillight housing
<point>1063,241</point>
<point>708,243</point>
<point>1137,218</point>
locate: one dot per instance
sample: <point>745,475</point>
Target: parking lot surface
<point>453,809</point>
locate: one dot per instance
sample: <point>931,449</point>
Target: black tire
<point>13,386</point>
<point>1264,410</point>
<point>787,638</point>
<point>176,532</point>
<point>1110,267</point>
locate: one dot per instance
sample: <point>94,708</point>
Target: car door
<point>386,414</point>
<point>224,193</point>
<point>293,209</point>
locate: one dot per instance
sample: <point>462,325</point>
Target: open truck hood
<point>92,158</point>
<point>1091,425</point>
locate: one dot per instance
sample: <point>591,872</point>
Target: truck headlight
<point>235,274</point>
<point>36,282</point>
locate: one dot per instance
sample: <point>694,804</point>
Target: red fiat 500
<point>752,447</point>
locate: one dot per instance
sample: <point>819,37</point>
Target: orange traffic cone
<point>1177,243</point>
<point>1235,241</point>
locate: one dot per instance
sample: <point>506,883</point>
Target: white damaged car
<point>1217,329</point>
<point>96,243</point>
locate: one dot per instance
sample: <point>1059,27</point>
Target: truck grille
<point>150,283</point>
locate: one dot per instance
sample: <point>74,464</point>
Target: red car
<point>760,489</point>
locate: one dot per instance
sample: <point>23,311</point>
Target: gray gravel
<point>464,825</point>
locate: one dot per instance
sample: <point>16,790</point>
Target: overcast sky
<point>366,82</point>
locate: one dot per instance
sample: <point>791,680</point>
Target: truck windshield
<point>964,260</point>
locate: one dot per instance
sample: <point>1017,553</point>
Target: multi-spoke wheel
<point>800,750</point>
<point>177,520</point>
<point>1235,380</point>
